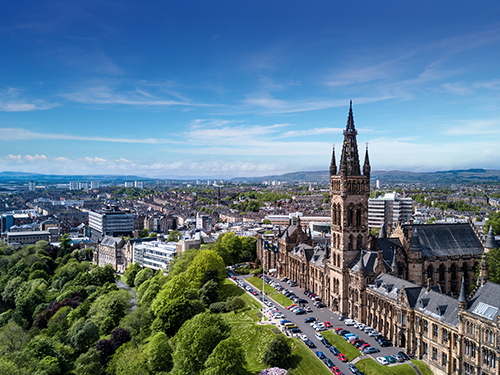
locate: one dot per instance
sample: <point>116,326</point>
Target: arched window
<point>349,217</point>
<point>359,242</point>
<point>453,278</point>
<point>430,273</point>
<point>349,244</point>
<point>358,216</point>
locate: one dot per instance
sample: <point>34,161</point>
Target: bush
<point>217,307</point>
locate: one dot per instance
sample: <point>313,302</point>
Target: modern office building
<point>156,255</point>
<point>94,184</point>
<point>139,184</point>
<point>110,222</point>
<point>74,185</point>
<point>203,222</point>
<point>389,209</point>
<point>32,186</point>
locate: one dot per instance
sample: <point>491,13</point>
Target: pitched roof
<point>486,301</point>
<point>448,239</point>
<point>112,241</point>
<point>438,306</point>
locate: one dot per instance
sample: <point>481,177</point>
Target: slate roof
<point>390,286</point>
<point>314,255</point>
<point>370,261</point>
<point>486,301</point>
<point>289,229</point>
<point>387,245</point>
<point>438,306</point>
<point>448,239</point>
<point>112,241</point>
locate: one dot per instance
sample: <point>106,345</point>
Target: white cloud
<point>10,101</point>
<point>35,157</point>
<point>473,127</point>
<point>315,131</point>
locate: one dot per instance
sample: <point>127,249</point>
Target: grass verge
<point>257,283</point>
<point>371,367</point>
<point>350,351</point>
<point>424,369</point>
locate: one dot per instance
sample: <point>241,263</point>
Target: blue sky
<point>246,88</point>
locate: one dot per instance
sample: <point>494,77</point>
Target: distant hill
<point>385,177</point>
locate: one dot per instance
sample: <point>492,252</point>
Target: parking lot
<point>322,314</point>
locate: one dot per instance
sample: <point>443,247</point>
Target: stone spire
<point>462,299</point>
<point>349,161</point>
<point>362,265</point>
<point>415,244</point>
<point>366,166</point>
<point>333,164</point>
<point>394,265</point>
<point>490,242</point>
<point>381,234</point>
<point>483,272</point>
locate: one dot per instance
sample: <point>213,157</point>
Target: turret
<point>349,161</point>
<point>381,234</point>
<point>366,166</point>
<point>333,164</point>
<point>394,265</point>
<point>415,244</point>
<point>462,299</point>
<point>483,272</point>
<point>490,242</point>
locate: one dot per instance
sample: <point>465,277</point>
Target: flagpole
<point>263,275</point>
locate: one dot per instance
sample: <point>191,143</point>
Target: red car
<point>289,307</point>
<point>336,370</point>
<point>366,345</point>
<point>338,329</point>
<point>327,324</point>
<point>342,357</point>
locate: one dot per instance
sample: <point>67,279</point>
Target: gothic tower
<point>349,190</point>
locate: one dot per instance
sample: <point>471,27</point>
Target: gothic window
<point>359,242</point>
<point>350,243</point>
<point>430,273</point>
<point>358,217</point>
<point>453,278</point>
<point>349,217</point>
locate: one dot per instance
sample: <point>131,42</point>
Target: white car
<point>360,326</point>
<point>382,361</point>
<point>308,309</point>
<point>349,322</point>
<point>321,328</point>
<point>373,333</point>
<point>314,323</point>
<point>368,329</point>
<point>303,338</point>
<point>318,335</point>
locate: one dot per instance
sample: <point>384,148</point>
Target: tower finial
<point>333,164</point>
<point>350,104</point>
<point>366,166</point>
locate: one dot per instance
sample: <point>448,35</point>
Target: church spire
<point>333,164</point>
<point>349,161</point>
<point>366,166</point>
<point>462,298</point>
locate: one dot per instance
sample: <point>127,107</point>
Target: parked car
<point>349,322</point>
<point>334,350</point>
<point>336,370</point>
<point>310,319</point>
<point>295,330</point>
<point>370,350</point>
<point>308,309</point>
<point>342,357</point>
<point>320,355</point>
<point>326,343</point>
<point>390,359</point>
<point>405,357</point>
<point>353,368</point>
<point>310,344</point>
<point>319,336</point>
<point>303,338</point>
<point>284,321</point>
<point>328,324</point>
<point>382,360</point>
<point>342,318</point>
<point>328,362</point>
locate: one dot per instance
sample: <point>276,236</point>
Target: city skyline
<point>246,89</point>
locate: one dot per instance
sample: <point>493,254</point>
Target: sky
<point>169,89</point>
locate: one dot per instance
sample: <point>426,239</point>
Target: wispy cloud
<point>315,131</point>
<point>226,135</point>
<point>11,101</point>
<point>105,94</point>
<point>25,134</point>
<point>473,127</point>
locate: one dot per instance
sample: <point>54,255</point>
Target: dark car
<point>310,344</point>
<point>341,318</point>
<point>405,357</point>
<point>302,300</point>
<point>343,332</point>
<point>300,312</point>
<point>334,350</point>
<point>294,330</point>
<point>385,343</point>
<point>326,343</point>
<point>328,362</point>
<point>309,320</point>
<point>353,368</point>
<point>320,355</point>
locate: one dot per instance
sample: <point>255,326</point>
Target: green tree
<point>88,363</point>
<point>12,338</point>
<point>278,352</point>
<point>159,353</point>
<point>128,360</point>
<point>176,287</point>
<point>174,236</point>
<point>173,315</point>
<point>196,340</point>
<point>266,221</point>
<point>209,292</point>
<point>493,262</point>
<point>64,245</point>
<point>144,233</point>
<point>205,261</point>
<point>87,335</point>
<point>235,303</point>
<point>131,273</point>
<point>142,276</point>
<point>228,358</point>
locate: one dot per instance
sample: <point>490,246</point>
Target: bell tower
<point>349,190</point>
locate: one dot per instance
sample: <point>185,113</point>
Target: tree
<point>12,338</point>
<point>142,276</point>
<point>128,360</point>
<point>88,363</point>
<point>196,340</point>
<point>493,261</point>
<point>235,303</point>
<point>64,245</point>
<point>86,336</point>
<point>209,292</point>
<point>228,358</point>
<point>159,353</point>
<point>266,221</point>
<point>131,273</point>
<point>175,313</point>
<point>175,288</point>
<point>278,352</point>
<point>174,236</point>
<point>206,260</point>
<point>144,233</point>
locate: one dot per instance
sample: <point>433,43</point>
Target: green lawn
<point>228,289</point>
<point>281,299</point>
<point>304,362</point>
<point>257,283</point>
<point>422,367</point>
<point>350,351</point>
<point>373,368</point>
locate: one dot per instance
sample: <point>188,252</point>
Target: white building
<point>139,184</point>
<point>74,185</point>
<point>32,186</point>
<point>129,184</point>
<point>84,185</point>
<point>155,255</point>
<point>94,184</point>
<point>389,209</point>
<point>110,222</point>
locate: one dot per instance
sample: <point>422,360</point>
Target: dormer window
<point>378,283</point>
<point>441,309</point>
<point>424,302</point>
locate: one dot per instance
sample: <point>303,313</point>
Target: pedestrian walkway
<point>133,300</point>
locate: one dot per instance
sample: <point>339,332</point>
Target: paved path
<point>133,300</point>
<point>415,368</point>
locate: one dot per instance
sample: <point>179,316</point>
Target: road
<point>133,300</point>
<point>323,314</point>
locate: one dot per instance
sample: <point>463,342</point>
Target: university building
<point>409,283</point>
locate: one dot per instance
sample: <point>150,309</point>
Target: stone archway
<point>402,340</point>
<point>335,305</point>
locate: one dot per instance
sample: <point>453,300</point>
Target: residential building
<point>28,237</point>
<point>139,184</point>
<point>203,222</point>
<point>95,184</point>
<point>31,186</point>
<point>112,250</point>
<point>74,185</point>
